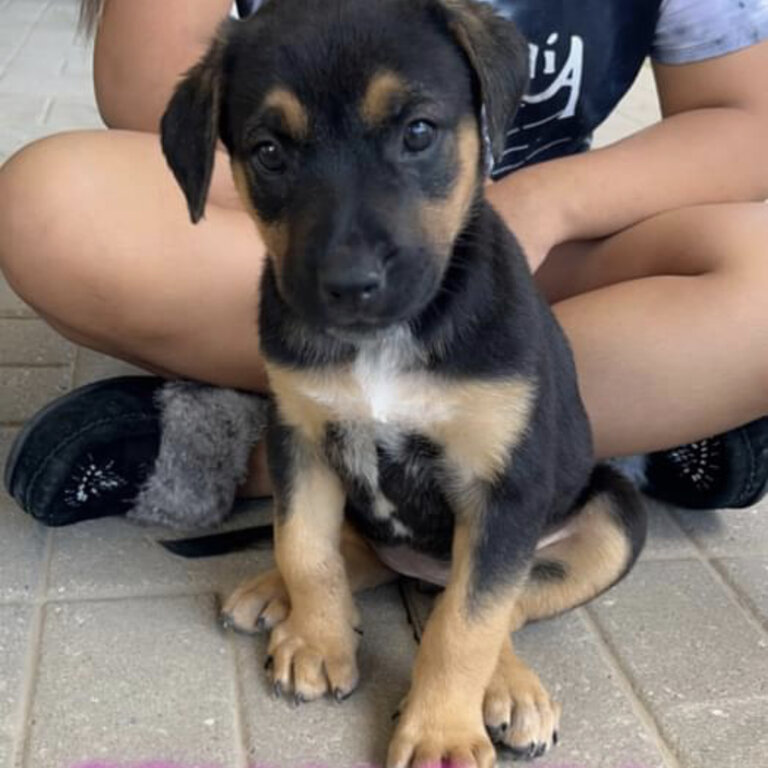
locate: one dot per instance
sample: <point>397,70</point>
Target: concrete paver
<point>27,390</point>
<point>749,576</point>
<point>22,548</point>
<point>600,727</point>
<point>10,304</point>
<point>680,637</point>
<point>737,532</point>
<point>131,681</point>
<point>114,558</point>
<point>720,734</point>
<point>14,631</point>
<point>93,366</point>
<point>33,342</point>
<point>324,733</point>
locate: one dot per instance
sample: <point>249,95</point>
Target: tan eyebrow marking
<point>292,111</point>
<point>383,87</point>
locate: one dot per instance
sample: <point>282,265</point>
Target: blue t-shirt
<point>585,55</point>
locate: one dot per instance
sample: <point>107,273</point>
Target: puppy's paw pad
<point>257,605</point>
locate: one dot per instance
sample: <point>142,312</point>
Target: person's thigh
<point>96,237</point>
<point>668,321</point>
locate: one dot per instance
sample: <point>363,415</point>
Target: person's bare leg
<point>668,319</point>
<point>669,325</point>
<point>96,237</point>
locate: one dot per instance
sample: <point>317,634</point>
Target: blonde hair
<point>90,14</point>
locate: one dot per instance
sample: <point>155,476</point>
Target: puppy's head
<point>358,132</point>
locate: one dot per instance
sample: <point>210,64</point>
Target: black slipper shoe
<point>727,471</point>
<point>87,454</point>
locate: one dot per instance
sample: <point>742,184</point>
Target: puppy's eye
<point>419,135</point>
<point>270,156</point>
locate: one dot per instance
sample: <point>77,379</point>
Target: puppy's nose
<point>351,288</point>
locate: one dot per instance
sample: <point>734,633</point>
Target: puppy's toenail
<point>339,695</point>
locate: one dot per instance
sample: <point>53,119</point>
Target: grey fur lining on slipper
<point>207,434</point>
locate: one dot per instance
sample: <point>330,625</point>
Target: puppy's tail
<point>593,550</point>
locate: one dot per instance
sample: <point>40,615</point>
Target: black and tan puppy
<point>426,416</point>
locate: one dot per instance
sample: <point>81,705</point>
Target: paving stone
<point>70,115</point>
<point>6,752</point>
<point>10,304</point>
<point>22,10</point>
<point>720,734</point>
<point>641,104</point>
<point>7,435</point>
<point>62,14</point>
<point>17,79</point>
<point>734,532</point>
<point>127,681</point>
<point>14,630</point>
<point>665,538</point>
<point>54,38</point>
<point>750,578</point>
<point>324,733</point>
<point>27,390</point>
<point>599,728</point>
<point>93,366</point>
<point>33,342</point>
<point>680,637</point>
<point>112,557</point>
<point>11,38</point>
<point>20,108</point>
<point>22,544</point>
<point>79,63</point>
<point>617,128</point>
<point>38,61</point>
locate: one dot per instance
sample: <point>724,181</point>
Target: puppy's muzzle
<point>353,285</point>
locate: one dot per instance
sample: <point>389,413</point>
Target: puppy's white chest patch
<point>382,386</point>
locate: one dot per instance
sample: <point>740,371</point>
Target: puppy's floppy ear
<point>498,54</point>
<point>190,127</point>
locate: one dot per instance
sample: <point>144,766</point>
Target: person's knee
<point>41,201</point>
<point>52,191</point>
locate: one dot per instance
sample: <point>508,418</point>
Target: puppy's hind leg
<point>596,549</point>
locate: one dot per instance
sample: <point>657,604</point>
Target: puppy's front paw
<point>518,711</point>
<point>311,655</point>
<point>445,733</point>
<point>257,604</point>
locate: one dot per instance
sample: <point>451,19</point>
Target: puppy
<point>426,414</point>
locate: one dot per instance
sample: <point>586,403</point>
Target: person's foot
<point>169,453</point>
<point>87,454</point>
<point>721,472</point>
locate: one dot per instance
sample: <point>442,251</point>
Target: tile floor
<point>110,653</point>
